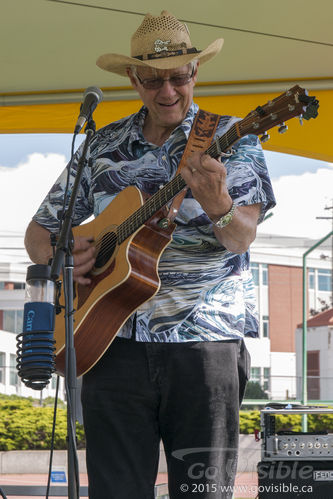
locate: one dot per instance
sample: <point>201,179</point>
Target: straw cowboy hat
<point>160,42</point>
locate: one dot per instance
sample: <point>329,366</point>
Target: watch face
<point>227,219</point>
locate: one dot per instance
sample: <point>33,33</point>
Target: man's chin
<point>173,118</point>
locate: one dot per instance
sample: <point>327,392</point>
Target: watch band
<point>226,219</point>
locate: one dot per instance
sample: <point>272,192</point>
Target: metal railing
<point>290,388</point>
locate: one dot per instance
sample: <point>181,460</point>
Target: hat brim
<point>116,63</point>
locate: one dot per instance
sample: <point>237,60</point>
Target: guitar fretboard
<point>172,188</point>
<point>294,102</point>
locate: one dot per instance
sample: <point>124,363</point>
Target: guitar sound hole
<point>106,248</point>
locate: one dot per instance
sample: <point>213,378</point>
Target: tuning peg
<point>283,128</point>
<point>300,119</point>
<point>264,137</point>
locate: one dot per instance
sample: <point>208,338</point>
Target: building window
<point>255,273</point>
<point>265,326</point>
<point>3,368</point>
<point>19,285</point>
<point>13,378</point>
<point>324,280</point>
<point>54,382</point>
<point>12,285</point>
<point>266,380</point>
<point>255,374</point>
<point>311,275</point>
<point>12,321</point>
<point>320,279</point>
<point>261,376</point>
<point>264,274</point>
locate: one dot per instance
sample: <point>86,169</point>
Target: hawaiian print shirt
<point>206,292</point>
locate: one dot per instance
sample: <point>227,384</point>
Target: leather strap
<point>201,135</point>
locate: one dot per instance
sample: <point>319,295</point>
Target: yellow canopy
<point>49,50</point>
<point>311,140</point>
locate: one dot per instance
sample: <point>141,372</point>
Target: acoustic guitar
<point>133,231</point>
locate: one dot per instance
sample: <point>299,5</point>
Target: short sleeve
<point>47,214</point>
<point>248,180</point>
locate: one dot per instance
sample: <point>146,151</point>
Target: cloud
<point>23,188</point>
<point>300,199</point>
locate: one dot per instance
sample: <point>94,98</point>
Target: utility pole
<point>330,218</point>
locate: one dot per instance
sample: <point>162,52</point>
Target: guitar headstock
<point>293,102</point>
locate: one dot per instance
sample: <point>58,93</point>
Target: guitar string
<point>140,216</point>
<point>135,219</point>
<point>229,138</point>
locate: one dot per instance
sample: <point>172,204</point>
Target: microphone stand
<point>63,258</point>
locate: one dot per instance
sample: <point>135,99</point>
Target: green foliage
<point>321,422</point>
<point>49,402</point>
<point>24,426</point>
<point>250,421</point>
<point>254,391</point>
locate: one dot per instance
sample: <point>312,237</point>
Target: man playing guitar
<point>178,366</point>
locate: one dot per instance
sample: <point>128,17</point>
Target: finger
<point>84,261</point>
<point>81,257</point>
<point>188,173</point>
<point>82,280</point>
<point>80,271</point>
<point>211,165</point>
<point>82,243</point>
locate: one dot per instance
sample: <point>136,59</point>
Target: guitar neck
<point>171,189</point>
<point>294,102</point>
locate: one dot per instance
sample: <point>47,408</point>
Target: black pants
<point>188,394</point>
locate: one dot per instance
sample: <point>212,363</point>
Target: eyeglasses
<point>175,80</point>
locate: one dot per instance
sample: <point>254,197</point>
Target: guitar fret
<point>164,195</point>
<point>225,141</point>
<point>151,206</point>
<point>256,122</point>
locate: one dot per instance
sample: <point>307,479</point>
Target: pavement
<point>245,484</point>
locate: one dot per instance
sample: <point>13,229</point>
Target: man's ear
<point>195,74</point>
<point>131,77</point>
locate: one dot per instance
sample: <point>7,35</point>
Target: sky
<point>30,163</point>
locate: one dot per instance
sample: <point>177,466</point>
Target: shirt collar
<point>137,125</point>
<point>139,119</point>
<point>189,119</point>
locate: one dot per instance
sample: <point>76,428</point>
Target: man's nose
<point>167,87</point>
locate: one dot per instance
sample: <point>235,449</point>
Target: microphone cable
<point>52,439</point>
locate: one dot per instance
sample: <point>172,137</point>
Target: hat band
<point>166,53</point>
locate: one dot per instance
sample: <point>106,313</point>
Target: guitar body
<point>124,277</point>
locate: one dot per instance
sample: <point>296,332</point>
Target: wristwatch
<point>226,219</point>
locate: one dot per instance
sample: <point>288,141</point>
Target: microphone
<point>35,345</point>
<point>91,97</point>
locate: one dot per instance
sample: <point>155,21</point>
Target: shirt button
<point>164,157</point>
